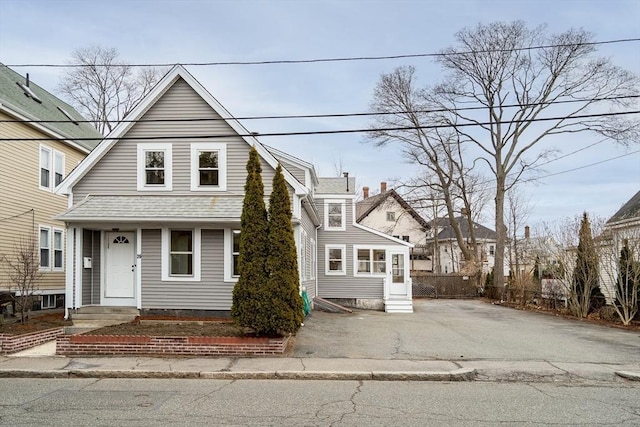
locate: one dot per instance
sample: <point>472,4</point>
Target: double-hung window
<point>391,216</point>
<point>155,167</point>
<point>181,254</point>
<point>45,247</point>
<point>334,215</point>
<point>51,168</point>
<point>335,260</point>
<point>45,168</point>
<point>58,168</point>
<point>235,252</point>
<point>231,255</point>
<point>58,242</point>
<point>208,166</point>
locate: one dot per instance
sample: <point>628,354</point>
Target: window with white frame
<point>58,168</point>
<point>51,168</point>
<point>335,259</point>
<point>208,166</point>
<point>391,216</point>
<point>303,255</point>
<point>45,247</point>
<point>181,254</point>
<point>58,245</point>
<point>492,250</point>
<point>371,261</point>
<point>235,252</point>
<point>155,167</point>
<point>48,301</point>
<point>334,215</point>
<point>231,255</point>
<point>45,167</point>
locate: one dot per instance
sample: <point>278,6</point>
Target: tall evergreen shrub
<point>253,248</point>
<point>282,308</point>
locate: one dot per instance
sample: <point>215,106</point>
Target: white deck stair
<point>398,305</point>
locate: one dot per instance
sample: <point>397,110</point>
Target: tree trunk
<point>501,235</point>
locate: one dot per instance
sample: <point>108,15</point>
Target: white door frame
<point>397,290</point>
<point>124,301</point>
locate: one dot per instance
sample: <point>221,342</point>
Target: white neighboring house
<point>623,225</point>
<point>389,213</point>
<point>450,256</point>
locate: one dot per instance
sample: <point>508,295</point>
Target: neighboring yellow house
<point>56,139</point>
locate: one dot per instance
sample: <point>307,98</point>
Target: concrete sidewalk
<point>40,362</point>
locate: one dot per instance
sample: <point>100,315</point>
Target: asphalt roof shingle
<point>50,109</point>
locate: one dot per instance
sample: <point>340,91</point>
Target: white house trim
<point>142,148</point>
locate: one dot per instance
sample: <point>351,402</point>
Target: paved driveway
<point>464,330</point>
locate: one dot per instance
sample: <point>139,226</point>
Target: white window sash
<point>343,256</point>
<point>327,205</point>
<point>44,245</point>
<point>142,149</point>
<point>221,149</point>
<point>46,160</point>
<point>57,231</point>
<point>166,257</point>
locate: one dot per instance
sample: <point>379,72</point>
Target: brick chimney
<point>527,232</point>
<point>365,192</point>
<point>383,187</point>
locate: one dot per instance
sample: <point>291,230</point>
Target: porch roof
<point>153,208</point>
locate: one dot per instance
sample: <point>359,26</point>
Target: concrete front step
<point>94,309</point>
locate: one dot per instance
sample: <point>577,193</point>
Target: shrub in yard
<point>585,295</point>
<point>253,249</point>
<point>281,308</point>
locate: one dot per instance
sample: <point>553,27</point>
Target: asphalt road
<point>464,330</point>
<point>149,402</point>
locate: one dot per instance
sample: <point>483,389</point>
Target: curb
<point>464,374</point>
<point>633,376</point>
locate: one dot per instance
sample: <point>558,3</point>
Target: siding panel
<point>118,166</point>
<point>211,293</point>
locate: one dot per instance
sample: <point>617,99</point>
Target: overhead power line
<point>337,59</point>
<point>333,115</point>
<point>327,132</point>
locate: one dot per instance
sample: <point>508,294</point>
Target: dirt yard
<point>175,327</point>
<point>37,322</point>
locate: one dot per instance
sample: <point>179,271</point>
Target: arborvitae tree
<point>281,308</point>
<point>585,293</point>
<point>253,248</point>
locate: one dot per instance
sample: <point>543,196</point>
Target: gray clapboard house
<point>154,211</point>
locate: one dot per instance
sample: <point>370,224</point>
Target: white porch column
<point>139,268</point>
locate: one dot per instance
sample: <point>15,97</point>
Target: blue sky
<point>153,31</point>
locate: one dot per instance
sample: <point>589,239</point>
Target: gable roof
<point>481,231</point>
<point>630,210</point>
<point>295,161</point>
<point>50,113</point>
<point>366,206</point>
<point>177,72</point>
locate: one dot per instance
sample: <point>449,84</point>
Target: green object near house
<point>306,305</point>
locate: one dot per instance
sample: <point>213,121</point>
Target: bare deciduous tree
<point>516,74</point>
<point>103,88</point>
<point>518,211</point>
<point>24,275</point>
<point>405,111</point>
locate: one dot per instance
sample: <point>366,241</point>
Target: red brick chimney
<point>383,187</point>
<point>365,192</point>
<point>526,232</point>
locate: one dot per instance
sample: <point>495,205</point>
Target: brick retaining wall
<point>138,345</point>
<point>14,343</point>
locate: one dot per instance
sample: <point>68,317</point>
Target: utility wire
<point>333,115</point>
<point>338,59</point>
<point>16,215</point>
<point>325,132</point>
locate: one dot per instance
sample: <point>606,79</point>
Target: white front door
<point>119,271</point>
<point>396,278</point>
